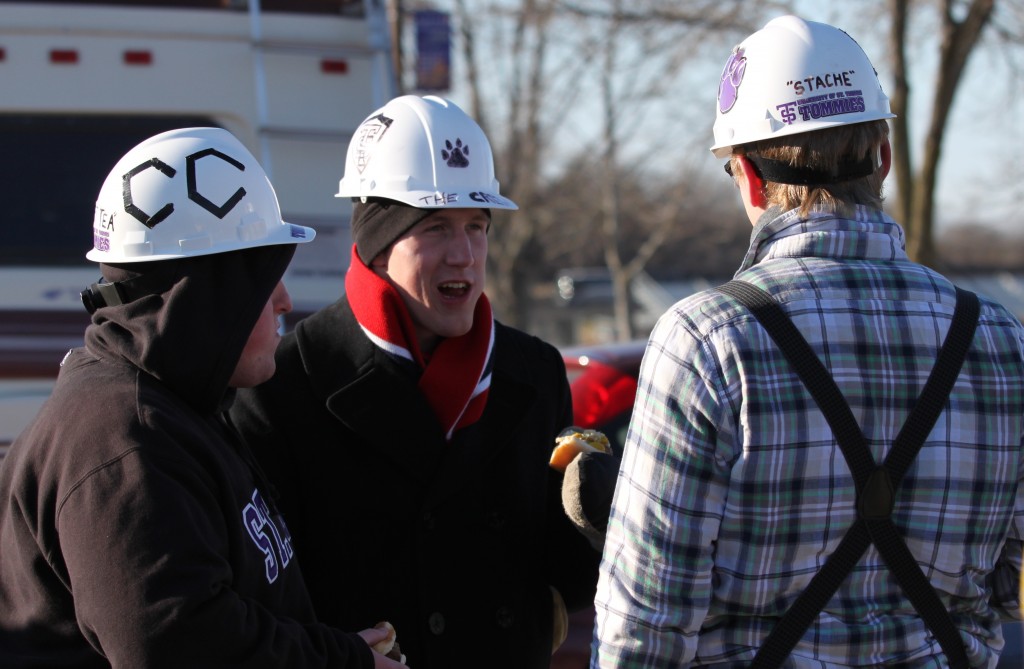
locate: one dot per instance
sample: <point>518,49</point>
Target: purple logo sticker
<point>823,106</point>
<point>732,77</point>
<point>100,241</point>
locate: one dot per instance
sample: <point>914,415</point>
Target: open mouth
<point>454,288</point>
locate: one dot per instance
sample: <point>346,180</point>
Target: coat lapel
<point>368,393</point>
<point>402,427</point>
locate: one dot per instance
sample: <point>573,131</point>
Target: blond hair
<point>823,150</point>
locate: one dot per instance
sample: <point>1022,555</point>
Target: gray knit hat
<point>378,223</point>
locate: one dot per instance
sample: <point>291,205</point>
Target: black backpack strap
<point>876,485</point>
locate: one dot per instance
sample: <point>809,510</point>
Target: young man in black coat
<point>404,412</point>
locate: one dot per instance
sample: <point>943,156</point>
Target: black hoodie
<point>134,532</point>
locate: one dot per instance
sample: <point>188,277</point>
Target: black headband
<point>783,173</point>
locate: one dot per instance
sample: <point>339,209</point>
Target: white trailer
<point>82,82</point>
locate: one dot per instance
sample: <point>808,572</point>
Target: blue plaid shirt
<point>733,492</point>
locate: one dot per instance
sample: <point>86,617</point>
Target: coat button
<point>429,521</point>
<point>495,520</point>
<point>504,617</point>
<point>436,623</point>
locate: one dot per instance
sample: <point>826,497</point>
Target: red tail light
<point>63,56</point>
<point>601,393</point>
<point>331,66</point>
<point>138,57</point>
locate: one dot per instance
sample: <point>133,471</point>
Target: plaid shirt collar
<point>868,233</point>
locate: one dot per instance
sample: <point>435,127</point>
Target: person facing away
<point>135,529</point>
<point>406,397</point>
<point>733,491</point>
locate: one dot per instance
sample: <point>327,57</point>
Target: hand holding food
<point>386,645</point>
<point>575,440</point>
<point>590,471</point>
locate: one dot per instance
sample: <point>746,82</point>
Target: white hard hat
<point>424,152</point>
<point>187,192</point>
<point>795,76</point>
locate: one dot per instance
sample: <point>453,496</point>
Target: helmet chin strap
<point>102,294</point>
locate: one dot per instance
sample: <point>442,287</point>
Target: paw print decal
<point>456,154</point>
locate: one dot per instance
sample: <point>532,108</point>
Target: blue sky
<point>981,172</point>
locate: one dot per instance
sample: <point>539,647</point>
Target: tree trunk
<point>899,103</point>
<point>958,40</point>
<point>611,209</point>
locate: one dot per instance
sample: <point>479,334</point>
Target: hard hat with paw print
<point>424,152</point>
<point>795,76</point>
<point>187,192</point>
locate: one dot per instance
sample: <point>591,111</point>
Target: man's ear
<point>751,183</point>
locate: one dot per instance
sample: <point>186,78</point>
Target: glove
<point>587,491</point>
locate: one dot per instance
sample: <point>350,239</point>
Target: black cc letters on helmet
<point>193,190</point>
<point>126,192</point>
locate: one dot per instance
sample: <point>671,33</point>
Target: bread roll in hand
<point>575,440</point>
<point>389,646</point>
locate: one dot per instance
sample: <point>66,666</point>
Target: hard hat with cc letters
<point>187,192</point>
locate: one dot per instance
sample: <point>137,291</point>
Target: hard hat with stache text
<point>794,76</point>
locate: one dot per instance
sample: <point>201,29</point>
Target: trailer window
<point>51,169</point>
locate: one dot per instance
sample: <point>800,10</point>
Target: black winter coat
<point>455,543</point>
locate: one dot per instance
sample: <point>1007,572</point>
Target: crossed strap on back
<point>876,484</point>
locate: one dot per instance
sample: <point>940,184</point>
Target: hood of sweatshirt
<point>186,321</point>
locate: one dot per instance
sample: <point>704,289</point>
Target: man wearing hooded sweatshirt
<point>135,529</point>
<point>407,397</point>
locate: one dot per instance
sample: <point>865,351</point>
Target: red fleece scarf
<point>457,377</point>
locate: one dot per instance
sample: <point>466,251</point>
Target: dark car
<point>603,379</point>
